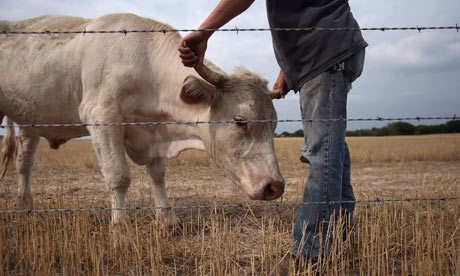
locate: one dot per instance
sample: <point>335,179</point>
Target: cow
<point>131,77</point>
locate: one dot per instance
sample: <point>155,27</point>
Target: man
<point>321,64</point>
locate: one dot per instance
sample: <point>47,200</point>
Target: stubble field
<point>402,238</point>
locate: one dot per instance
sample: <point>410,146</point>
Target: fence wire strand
<point>155,123</point>
<point>236,30</point>
<point>227,206</point>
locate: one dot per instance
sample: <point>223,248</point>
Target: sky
<point>406,73</point>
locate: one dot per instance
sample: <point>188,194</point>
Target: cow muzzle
<point>265,188</point>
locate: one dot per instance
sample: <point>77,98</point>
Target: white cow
<point>101,78</point>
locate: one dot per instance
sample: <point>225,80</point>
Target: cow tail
<point>8,152</point>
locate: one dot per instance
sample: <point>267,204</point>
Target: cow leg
<point>26,148</point>
<point>156,170</point>
<point>110,151</point>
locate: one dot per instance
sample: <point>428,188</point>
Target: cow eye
<point>241,121</point>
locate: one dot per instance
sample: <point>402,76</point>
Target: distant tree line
<point>297,133</point>
<point>395,128</point>
<point>404,128</point>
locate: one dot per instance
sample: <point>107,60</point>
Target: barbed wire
<point>154,123</point>
<point>236,29</point>
<point>227,206</point>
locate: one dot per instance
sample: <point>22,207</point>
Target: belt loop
<point>338,67</point>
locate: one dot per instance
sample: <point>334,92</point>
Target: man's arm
<point>193,46</point>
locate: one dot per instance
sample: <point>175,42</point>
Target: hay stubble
<point>408,238</point>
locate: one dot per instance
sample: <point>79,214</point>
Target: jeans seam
<point>330,89</point>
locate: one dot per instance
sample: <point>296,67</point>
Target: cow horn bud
<point>206,73</point>
<point>209,75</point>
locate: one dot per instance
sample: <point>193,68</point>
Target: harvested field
<point>406,238</point>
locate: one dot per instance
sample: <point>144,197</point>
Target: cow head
<point>245,150</point>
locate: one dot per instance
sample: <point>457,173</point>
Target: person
<point>321,65</point>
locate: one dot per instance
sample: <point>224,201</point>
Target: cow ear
<point>197,91</point>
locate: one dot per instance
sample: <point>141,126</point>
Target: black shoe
<point>304,160</point>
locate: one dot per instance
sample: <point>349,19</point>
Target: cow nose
<point>273,189</point>
<point>265,187</point>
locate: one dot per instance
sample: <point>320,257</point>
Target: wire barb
<point>237,31</point>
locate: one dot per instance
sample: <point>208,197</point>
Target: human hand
<point>280,85</point>
<point>193,47</point>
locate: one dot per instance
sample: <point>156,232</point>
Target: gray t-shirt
<point>303,55</point>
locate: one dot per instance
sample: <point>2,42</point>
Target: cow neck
<point>179,111</point>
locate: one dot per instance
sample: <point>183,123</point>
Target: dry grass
<point>410,238</point>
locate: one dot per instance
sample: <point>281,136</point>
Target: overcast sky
<point>406,73</point>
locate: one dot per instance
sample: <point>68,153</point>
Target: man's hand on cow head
<point>193,47</point>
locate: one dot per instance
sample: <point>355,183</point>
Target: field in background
<point>409,238</point>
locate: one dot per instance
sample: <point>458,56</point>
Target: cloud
<point>418,53</point>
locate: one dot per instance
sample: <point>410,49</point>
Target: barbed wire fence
<point>156,123</point>
<point>226,206</point>
<point>235,29</point>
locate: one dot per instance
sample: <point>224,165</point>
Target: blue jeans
<point>324,97</point>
